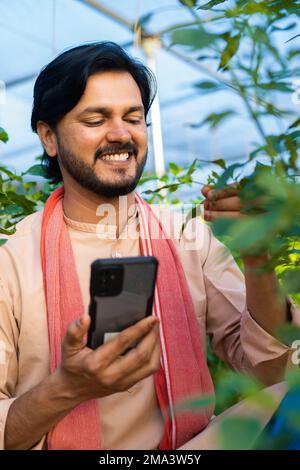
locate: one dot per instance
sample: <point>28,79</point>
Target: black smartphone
<point>122,291</point>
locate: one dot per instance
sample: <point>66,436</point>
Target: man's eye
<point>134,121</point>
<point>94,123</point>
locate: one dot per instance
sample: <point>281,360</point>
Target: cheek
<point>142,139</point>
<point>80,140</point>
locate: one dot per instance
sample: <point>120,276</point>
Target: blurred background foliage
<point>237,39</point>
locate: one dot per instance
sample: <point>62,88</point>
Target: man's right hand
<point>88,374</point>
<point>83,375</point>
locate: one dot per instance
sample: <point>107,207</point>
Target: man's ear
<point>47,138</point>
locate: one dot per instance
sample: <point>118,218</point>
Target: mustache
<point>117,148</point>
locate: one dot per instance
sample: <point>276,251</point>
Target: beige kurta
<point>129,420</point>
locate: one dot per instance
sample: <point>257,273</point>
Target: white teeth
<point>116,157</point>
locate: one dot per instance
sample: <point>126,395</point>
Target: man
<point>90,108</point>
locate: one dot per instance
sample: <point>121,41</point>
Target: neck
<point>85,206</point>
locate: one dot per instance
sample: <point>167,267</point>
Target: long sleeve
<point>236,336</point>
<point>8,356</point>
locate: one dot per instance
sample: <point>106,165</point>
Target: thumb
<point>77,330</point>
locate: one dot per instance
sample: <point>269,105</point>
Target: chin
<point>114,190</point>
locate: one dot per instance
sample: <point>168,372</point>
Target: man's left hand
<point>221,203</point>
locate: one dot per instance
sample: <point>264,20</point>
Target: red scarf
<point>183,375</point>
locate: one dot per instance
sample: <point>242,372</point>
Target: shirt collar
<point>105,230</point>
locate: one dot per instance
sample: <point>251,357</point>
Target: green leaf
<point>294,136</point>
<point>194,404</point>
<point>238,433</point>
<point>13,209</point>
<point>214,119</point>
<point>164,178</point>
<point>210,4</point>
<point>192,167</point>
<point>192,214</point>
<point>283,87</point>
<point>292,377</point>
<point>207,57</point>
<point>249,8</point>
<point>2,241</point>
<point>29,185</point>
<point>293,53</point>
<point>284,73</point>
<point>7,232</point>
<point>188,3</point>
<point>248,232</point>
<point>208,86</point>
<point>235,385</point>
<point>220,162</point>
<point>35,170</point>
<point>185,179</point>
<point>148,178</point>
<point>292,7</point>
<point>285,28</point>
<point>287,333</point>
<point>174,169</point>
<point>19,199</point>
<point>230,50</point>
<point>3,135</point>
<point>295,124</point>
<point>12,176</point>
<point>144,20</point>
<point>195,38</point>
<point>291,281</point>
<point>228,173</point>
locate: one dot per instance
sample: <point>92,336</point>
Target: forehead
<point>110,89</point>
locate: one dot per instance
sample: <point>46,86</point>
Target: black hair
<point>62,82</point>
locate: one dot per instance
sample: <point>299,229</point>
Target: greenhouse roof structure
<point>33,32</point>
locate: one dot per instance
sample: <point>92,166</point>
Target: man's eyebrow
<point>97,110</point>
<point>134,109</point>
<point>107,111</point>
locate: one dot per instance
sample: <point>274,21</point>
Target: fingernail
<point>207,215</point>
<point>83,319</point>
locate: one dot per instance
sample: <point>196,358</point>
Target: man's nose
<point>118,134</point>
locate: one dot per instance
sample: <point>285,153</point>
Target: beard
<point>85,174</point>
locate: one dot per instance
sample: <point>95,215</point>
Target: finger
<point>212,215</point>
<point>205,190</point>
<point>137,357</point>
<point>214,195</point>
<point>141,373</point>
<point>76,332</point>
<point>227,204</point>
<point>111,350</point>
<point>258,202</point>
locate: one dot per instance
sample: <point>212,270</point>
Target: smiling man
<point>90,109</point>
